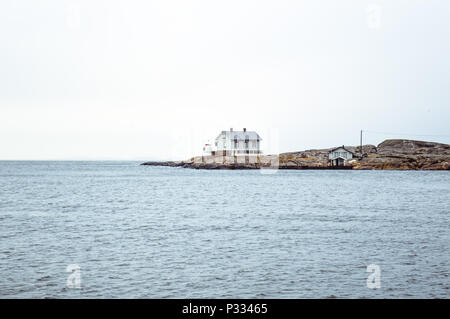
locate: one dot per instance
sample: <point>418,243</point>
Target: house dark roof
<point>343,147</point>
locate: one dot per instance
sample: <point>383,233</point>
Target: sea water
<point>121,230</point>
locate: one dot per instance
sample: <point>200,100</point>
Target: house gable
<point>340,152</point>
<point>238,142</point>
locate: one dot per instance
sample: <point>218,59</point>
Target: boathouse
<point>340,156</point>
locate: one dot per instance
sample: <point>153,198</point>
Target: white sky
<point>156,79</point>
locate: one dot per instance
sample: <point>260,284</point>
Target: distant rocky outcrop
<point>407,155</point>
<point>389,155</point>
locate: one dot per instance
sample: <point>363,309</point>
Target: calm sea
<point>152,232</point>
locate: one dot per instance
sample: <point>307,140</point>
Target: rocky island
<point>392,154</point>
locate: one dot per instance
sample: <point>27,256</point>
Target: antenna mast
<point>361,149</point>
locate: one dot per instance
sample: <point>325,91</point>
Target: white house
<point>207,149</point>
<point>340,156</point>
<point>235,143</point>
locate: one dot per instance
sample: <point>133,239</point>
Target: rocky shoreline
<point>388,155</point>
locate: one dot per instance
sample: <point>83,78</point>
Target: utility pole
<point>361,149</point>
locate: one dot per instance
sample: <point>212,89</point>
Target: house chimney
<point>245,130</point>
<point>231,129</point>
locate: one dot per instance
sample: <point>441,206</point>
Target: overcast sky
<point>156,79</point>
